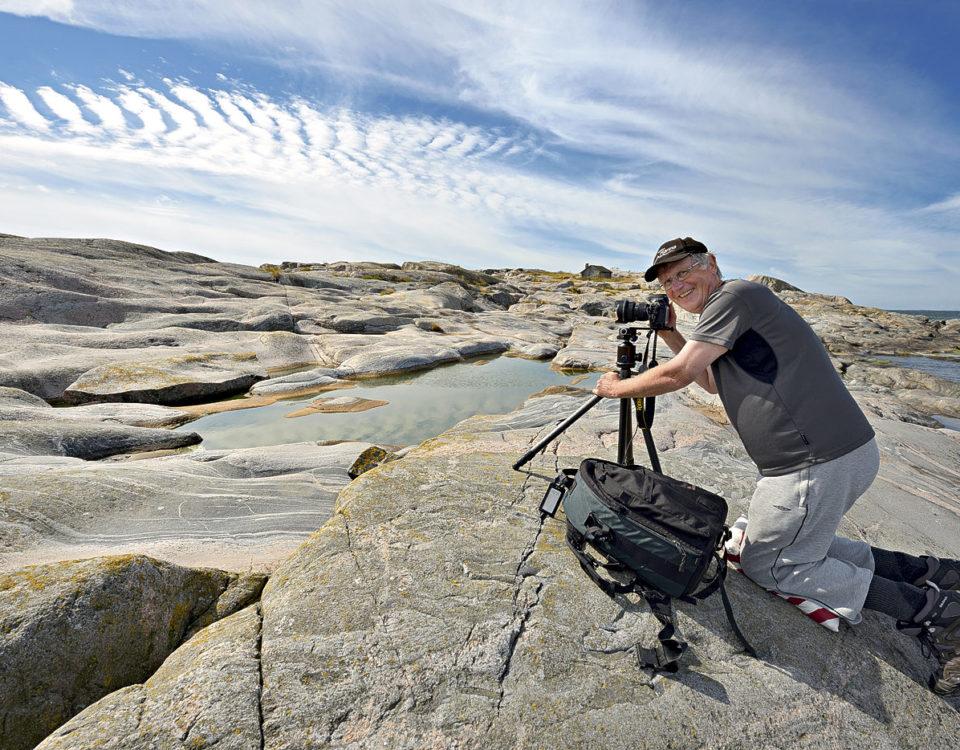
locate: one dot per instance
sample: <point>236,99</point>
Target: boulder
<point>169,380</point>
<point>414,618</point>
<point>73,632</point>
<point>88,440</point>
<point>216,674</point>
<point>307,380</point>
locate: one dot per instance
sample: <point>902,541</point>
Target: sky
<point>817,141</point>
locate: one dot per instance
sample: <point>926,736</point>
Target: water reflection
<point>421,405</point>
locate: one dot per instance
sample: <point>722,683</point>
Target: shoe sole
<point>947,679</point>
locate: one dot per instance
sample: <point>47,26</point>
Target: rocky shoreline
<point>432,607</point>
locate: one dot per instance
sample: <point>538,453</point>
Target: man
<point>812,444</point>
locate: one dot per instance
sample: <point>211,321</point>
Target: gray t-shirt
<point>777,384</point>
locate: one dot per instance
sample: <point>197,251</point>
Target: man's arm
<point>686,367</point>
<point>675,340</point>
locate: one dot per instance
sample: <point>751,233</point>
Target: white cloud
<point>65,109</point>
<point>647,140</point>
<point>59,10</point>
<point>149,115</point>
<point>947,205</point>
<point>20,108</point>
<point>110,115</point>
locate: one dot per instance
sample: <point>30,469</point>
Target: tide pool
<point>420,406</point>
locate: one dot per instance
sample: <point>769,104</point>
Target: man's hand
<point>607,385</point>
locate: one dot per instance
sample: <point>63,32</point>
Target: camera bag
<point>656,536</point>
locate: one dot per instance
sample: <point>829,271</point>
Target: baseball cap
<point>673,250</point>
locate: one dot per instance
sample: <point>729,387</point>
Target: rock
<point>234,508</point>
<point>373,362</point>
<point>337,406</point>
<point>590,346</point>
<point>360,322</point>
<point>537,351</point>
<point>410,620</point>
<point>170,380</point>
<point>132,414</point>
<point>91,441</point>
<point>319,377</point>
<point>598,308</point>
<point>777,285</point>
<point>216,675</point>
<point>73,632</point>
<point>15,397</point>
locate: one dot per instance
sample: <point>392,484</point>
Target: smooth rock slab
<point>170,380</point>
<point>73,632</point>
<point>229,508</point>
<point>436,609</point>
<point>318,377</point>
<point>88,441</point>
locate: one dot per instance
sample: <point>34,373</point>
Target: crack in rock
<point>259,657</point>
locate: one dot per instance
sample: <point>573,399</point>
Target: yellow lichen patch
<point>369,459</point>
<point>275,271</point>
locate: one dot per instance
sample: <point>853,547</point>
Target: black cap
<point>671,251</point>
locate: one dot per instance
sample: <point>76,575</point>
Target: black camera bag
<point>657,536</point>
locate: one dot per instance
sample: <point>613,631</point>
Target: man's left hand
<point>607,385</point>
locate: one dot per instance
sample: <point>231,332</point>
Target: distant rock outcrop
<point>777,285</point>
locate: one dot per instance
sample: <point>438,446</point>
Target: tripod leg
<point>557,430</point>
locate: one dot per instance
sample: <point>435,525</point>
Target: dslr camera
<point>656,312</point>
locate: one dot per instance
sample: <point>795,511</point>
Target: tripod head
<point>627,337</point>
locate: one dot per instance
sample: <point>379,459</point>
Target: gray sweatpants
<point>791,543</point>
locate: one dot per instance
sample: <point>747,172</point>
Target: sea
<point>947,368</point>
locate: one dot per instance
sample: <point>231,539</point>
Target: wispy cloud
<point>606,128</point>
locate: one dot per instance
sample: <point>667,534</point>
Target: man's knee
<point>756,561</point>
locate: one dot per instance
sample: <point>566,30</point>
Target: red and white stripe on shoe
<point>813,609</point>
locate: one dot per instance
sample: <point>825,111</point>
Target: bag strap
<point>665,656</point>
<point>577,543</point>
<point>720,556</point>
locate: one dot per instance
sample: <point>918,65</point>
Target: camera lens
<point>629,311</point>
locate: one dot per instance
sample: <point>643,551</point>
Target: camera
<point>656,311</point>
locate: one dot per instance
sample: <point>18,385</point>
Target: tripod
<point>626,361</point>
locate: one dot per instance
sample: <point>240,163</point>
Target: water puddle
<point>947,368</point>
<point>419,406</point>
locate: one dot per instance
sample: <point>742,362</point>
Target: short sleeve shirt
<point>781,392</point>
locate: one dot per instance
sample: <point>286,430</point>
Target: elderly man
<point>812,444</point>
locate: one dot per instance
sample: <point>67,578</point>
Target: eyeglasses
<point>679,276</point>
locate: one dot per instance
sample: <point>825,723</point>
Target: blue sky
<point>814,141</point>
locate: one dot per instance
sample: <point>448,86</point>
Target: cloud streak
<point>577,126</point>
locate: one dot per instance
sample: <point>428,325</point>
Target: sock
<point>897,566</point>
<point>898,599</point>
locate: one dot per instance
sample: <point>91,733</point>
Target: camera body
<point>656,311</point>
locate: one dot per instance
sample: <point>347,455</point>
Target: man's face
<point>698,282</point>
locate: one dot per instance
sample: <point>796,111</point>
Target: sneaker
<point>944,573</point>
<point>937,625</point>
